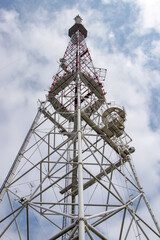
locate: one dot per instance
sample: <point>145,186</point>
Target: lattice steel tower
<point>73,177</point>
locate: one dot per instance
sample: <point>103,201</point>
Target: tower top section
<point>77,27</point>
<point>78,19</point>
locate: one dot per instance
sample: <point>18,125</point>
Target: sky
<point>123,36</point>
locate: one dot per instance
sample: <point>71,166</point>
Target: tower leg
<point>144,197</point>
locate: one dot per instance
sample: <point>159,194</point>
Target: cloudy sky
<point>123,36</point>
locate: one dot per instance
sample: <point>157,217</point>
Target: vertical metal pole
<point>80,170</point>
<point>27,213</point>
<point>80,167</point>
<point>74,174</point>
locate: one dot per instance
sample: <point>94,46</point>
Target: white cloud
<point>150,14</point>
<point>148,18</point>
<point>156,48</point>
<point>108,1</point>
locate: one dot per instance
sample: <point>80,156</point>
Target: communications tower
<point>73,177</point>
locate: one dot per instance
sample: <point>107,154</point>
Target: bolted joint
<point>82,219</point>
<point>23,201</point>
<point>79,131</point>
<point>80,163</point>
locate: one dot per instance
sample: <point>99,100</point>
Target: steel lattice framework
<point>73,177</point>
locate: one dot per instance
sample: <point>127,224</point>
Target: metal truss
<point>73,177</point>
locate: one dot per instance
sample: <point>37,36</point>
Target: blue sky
<point>123,36</point>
